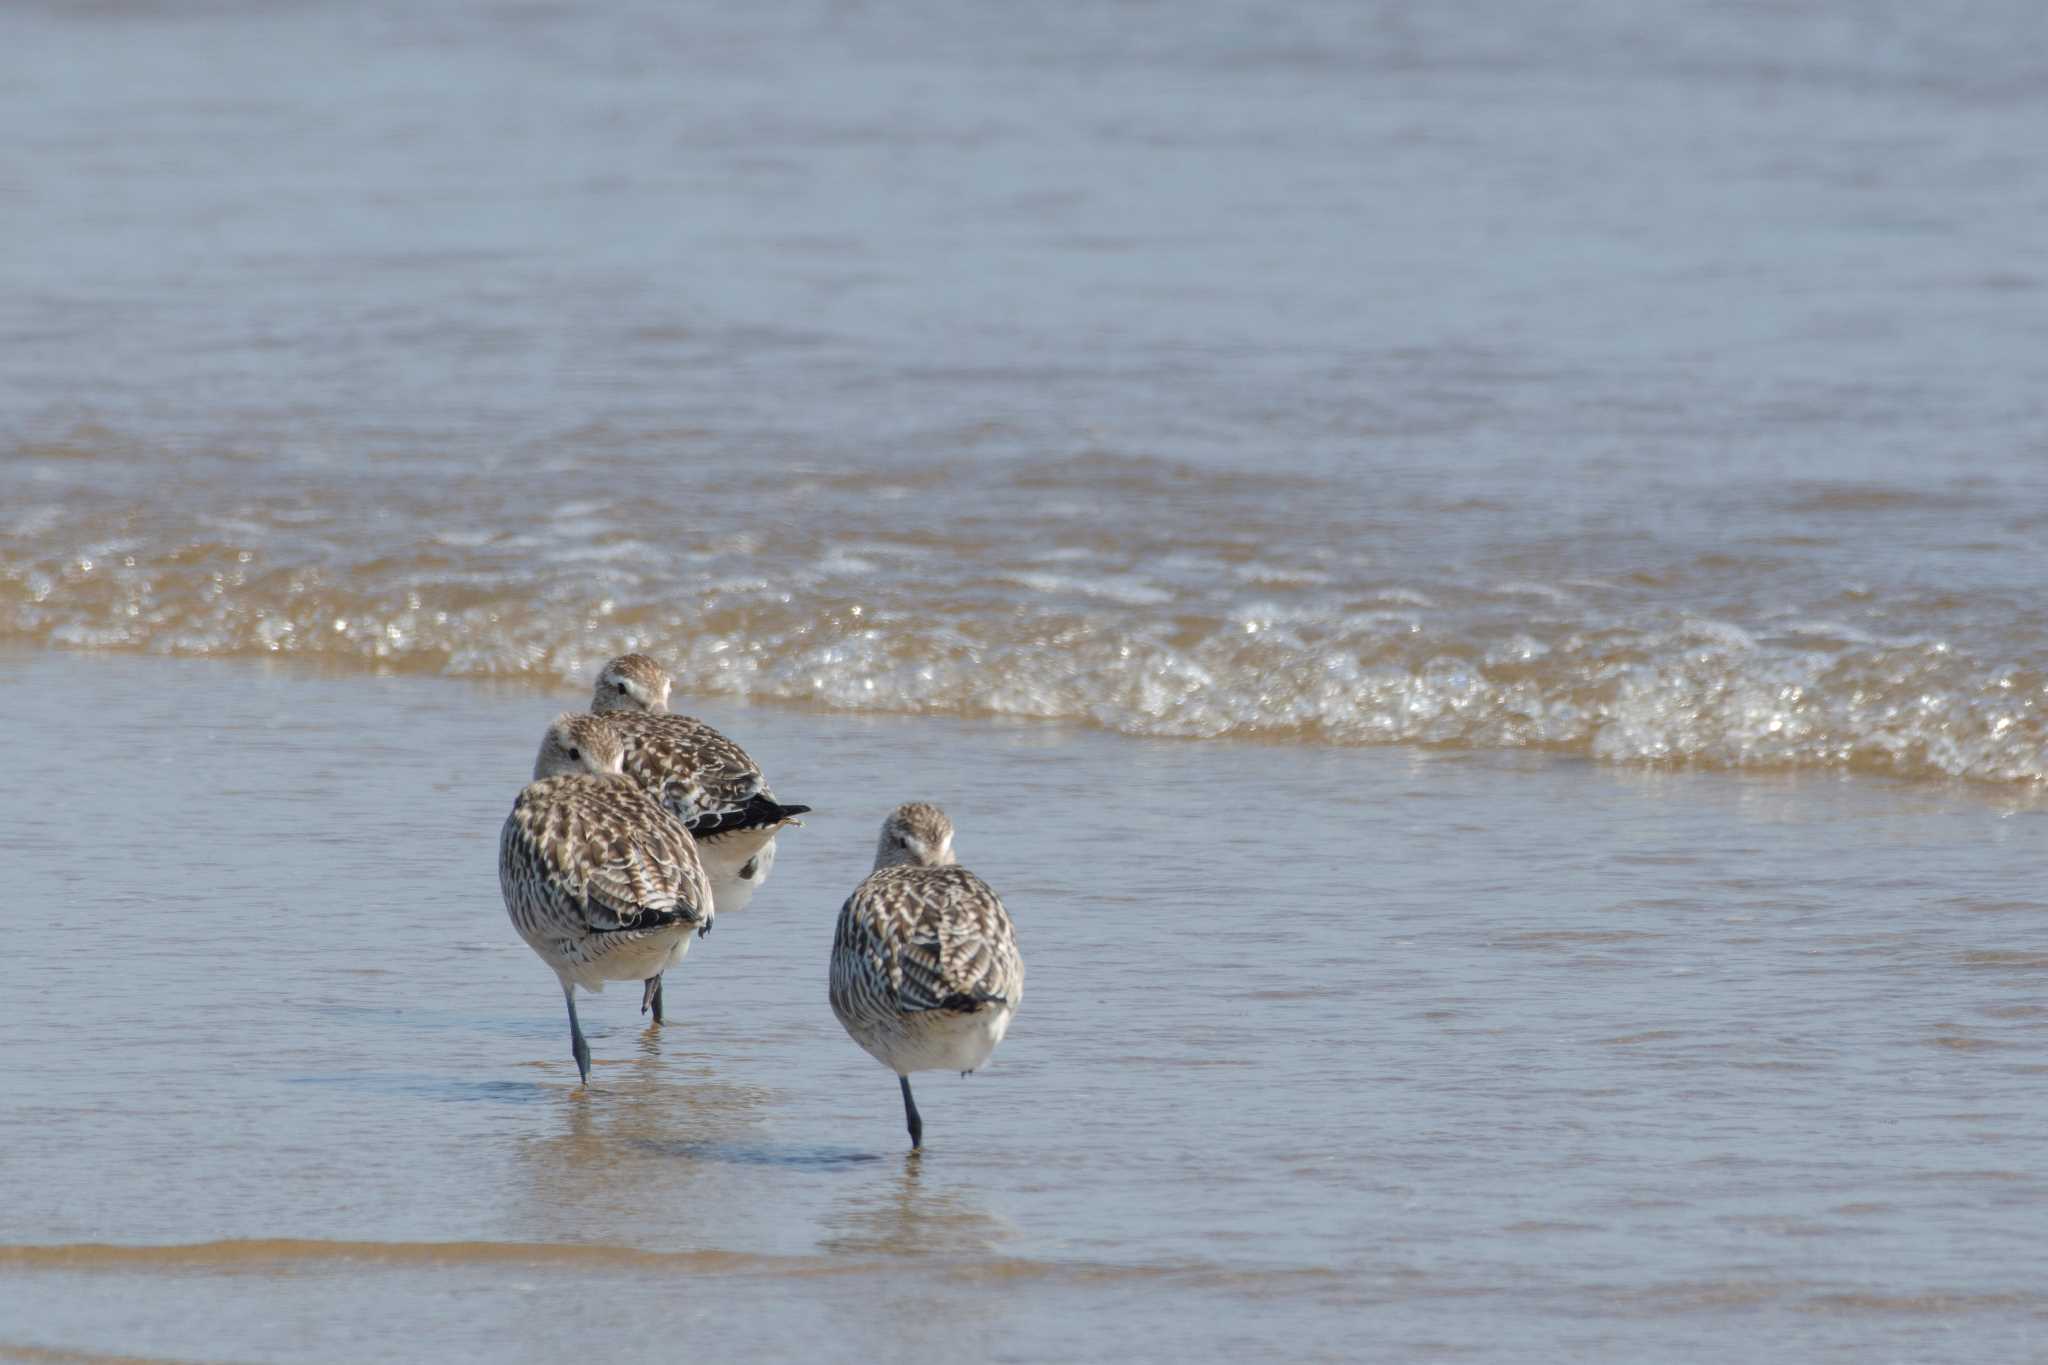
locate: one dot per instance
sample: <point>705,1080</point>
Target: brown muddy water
<point>1328,1053</point>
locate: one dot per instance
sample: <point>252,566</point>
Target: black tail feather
<point>645,920</point>
<point>966,1002</point>
<point>759,812</point>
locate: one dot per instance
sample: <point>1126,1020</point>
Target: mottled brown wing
<point>627,859</point>
<point>953,944</point>
<point>689,767</point>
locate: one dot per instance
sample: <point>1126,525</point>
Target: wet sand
<point>1327,1053</point>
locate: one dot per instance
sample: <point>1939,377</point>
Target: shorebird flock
<point>641,827</point>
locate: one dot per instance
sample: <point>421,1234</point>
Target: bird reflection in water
<point>908,1212</point>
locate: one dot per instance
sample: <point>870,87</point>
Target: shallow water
<point>1456,420</point>
<point>1664,389</point>
<point>1326,1053</point>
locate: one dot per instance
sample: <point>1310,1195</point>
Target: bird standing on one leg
<point>925,969</point>
<point>601,881</point>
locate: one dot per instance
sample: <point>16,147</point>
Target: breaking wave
<point>1138,595</point>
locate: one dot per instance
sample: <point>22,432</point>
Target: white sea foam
<point>1143,628</point>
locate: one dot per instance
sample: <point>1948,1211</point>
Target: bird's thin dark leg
<point>579,1049</point>
<point>910,1115</point>
<point>650,996</point>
